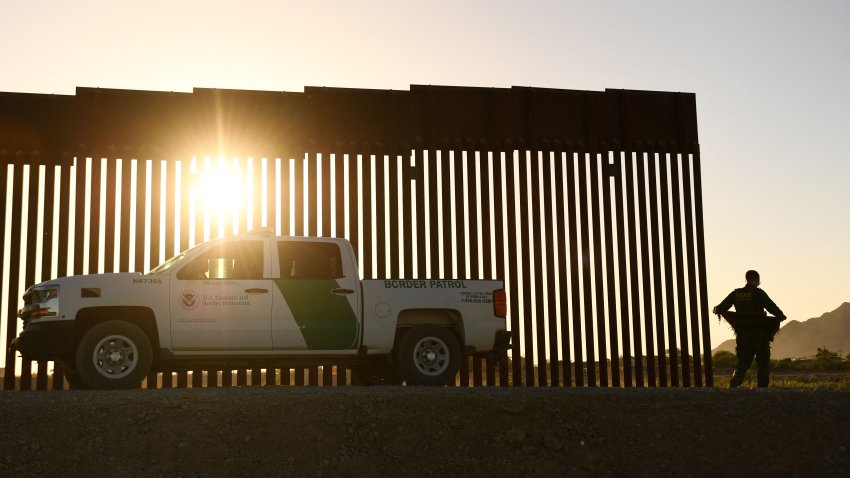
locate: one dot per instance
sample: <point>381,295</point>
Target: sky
<point>770,77</point>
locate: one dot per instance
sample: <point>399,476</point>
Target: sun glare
<point>221,190</point>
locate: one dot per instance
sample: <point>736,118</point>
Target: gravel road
<point>406,431</point>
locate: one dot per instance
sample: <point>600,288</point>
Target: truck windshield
<point>171,262</point>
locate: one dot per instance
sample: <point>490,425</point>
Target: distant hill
<point>802,339</point>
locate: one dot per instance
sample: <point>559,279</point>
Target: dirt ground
<point>397,431</point>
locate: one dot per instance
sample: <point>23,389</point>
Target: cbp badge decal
<point>189,299</point>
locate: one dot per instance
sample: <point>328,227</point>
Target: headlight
<point>43,295</point>
<point>40,301</point>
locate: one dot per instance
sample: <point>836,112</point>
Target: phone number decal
<point>476,297</point>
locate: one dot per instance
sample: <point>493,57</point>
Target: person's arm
<point>771,306</point>
<point>726,304</point>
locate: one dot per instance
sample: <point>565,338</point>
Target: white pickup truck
<point>258,300</point>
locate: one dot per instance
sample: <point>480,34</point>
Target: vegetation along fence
<point>588,204</point>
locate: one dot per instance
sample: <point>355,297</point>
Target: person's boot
<point>736,381</point>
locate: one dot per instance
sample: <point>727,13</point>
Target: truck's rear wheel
<point>113,354</point>
<point>428,355</point>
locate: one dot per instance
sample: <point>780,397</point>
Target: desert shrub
<point>826,359</point>
<point>804,364</point>
<point>724,359</point>
<point>783,364</point>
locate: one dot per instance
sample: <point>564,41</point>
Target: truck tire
<point>428,355</point>
<point>112,355</point>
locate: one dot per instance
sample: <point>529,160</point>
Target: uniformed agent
<point>752,328</point>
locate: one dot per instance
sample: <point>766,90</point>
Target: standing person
<point>752,328</point>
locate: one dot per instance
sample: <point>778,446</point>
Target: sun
<point>221,193</point>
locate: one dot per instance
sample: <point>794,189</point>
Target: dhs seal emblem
<point>189,299</point>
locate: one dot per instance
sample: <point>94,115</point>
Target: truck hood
<point>102,279</point>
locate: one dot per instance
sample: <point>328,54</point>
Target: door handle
<point>256,291</point>
<point>342,291</point>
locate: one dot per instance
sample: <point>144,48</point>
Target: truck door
<point>314,309</point>
<point>221,300</point>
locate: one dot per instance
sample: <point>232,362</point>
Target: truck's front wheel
<point>113,354</point>
<point>428,355</point>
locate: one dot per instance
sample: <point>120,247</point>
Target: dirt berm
<point>406,431</point>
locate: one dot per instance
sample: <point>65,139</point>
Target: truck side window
<point>309,260</point>
<point>238,260</point>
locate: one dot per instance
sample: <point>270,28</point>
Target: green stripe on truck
<point>326,320</point>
